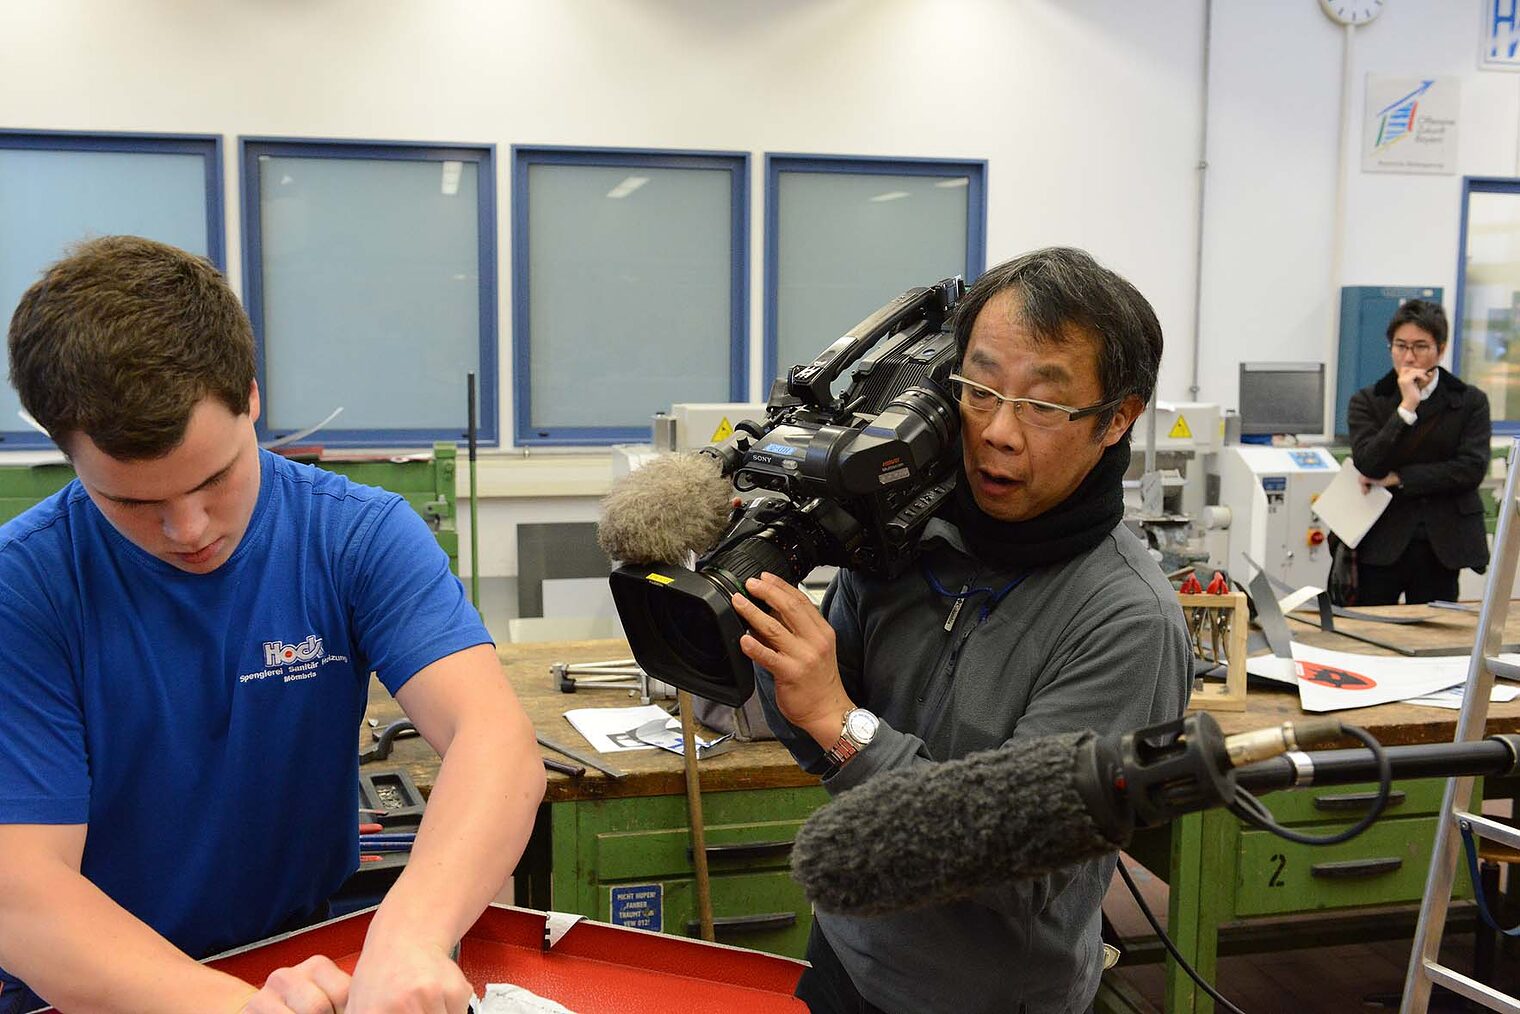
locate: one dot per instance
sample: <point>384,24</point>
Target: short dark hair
<point>1423,314</point>
<point>1064,292</point>
<point>122,338</point>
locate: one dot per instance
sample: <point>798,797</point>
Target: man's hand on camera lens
<point>796,645</point>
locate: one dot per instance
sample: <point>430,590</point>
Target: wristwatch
<point>859,729</point>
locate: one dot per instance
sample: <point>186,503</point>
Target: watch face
<point>1352,12</point>
<point>861,726</point>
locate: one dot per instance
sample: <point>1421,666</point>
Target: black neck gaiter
<point>1068,529</point>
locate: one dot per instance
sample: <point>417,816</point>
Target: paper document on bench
<point>1451,698</point>
<point>1346,509</point>
<point>611,730</point>
<point>1331,680</point>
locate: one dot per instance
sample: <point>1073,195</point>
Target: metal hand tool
<point>578,757</point>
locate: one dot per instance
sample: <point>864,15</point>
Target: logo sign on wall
<point>1411,124</point>
<point>1500,48</point>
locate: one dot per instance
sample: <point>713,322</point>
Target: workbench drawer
<point>623,855</point>
<point>1346,804</point>
<point>763,911</point>
<point>1385,864</point>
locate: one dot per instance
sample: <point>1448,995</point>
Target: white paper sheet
<point>1346,509</point>
<point>610,730</point>
<point>1451,699</point>
<point>1331,680</point>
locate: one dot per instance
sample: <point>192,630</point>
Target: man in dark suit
<point>1423,434</point>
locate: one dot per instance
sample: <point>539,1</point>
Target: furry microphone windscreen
<point>674,505</point>
<point>940,832</point>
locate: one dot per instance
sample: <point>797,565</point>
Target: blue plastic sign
<point>639,906</point>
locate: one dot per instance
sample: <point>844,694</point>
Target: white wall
<point>1088,112</point>
<point>1274,133</point>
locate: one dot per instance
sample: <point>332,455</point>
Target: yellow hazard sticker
<point>1180,429</point>
<point>723,432</point>
<point>661,579</point>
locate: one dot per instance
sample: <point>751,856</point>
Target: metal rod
<point>1203,174</point>
<point>576,755</point>
<point>474,523</point>
<point>694,810</point>
<point>1493,756</point>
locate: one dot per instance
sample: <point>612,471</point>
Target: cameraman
<point>1033,611</point>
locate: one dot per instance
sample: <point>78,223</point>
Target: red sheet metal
<point>593,968</point>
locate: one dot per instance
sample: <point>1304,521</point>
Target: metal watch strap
<point>845,747</point>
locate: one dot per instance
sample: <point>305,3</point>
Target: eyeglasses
<point>1046,415</point>
<point>1418,348</point>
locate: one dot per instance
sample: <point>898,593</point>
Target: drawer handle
<point>1355,800</point>
<point>745,923</point>
<point>745,850</point>
<point>1350,869</point>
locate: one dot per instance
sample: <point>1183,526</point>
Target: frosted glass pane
<point>371,290</point>
<point>50,200</point>
<point>849,242</point>
<point>1491,301</point>
<point>628,293</point>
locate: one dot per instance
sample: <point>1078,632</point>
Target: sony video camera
<point>852,479</point>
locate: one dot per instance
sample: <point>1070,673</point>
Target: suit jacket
<point>1440,461</point>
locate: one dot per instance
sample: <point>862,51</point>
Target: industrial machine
<point>1262,514</point>
<point>1265,494</point>
<point>688,426</point>
<point>1168,498</point>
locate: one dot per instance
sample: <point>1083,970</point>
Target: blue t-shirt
<point>205,726</point>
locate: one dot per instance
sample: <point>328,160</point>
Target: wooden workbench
<point>768,765</point>
<point>763,765</point>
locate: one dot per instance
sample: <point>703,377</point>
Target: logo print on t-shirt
<point>280,653</point>
<point>289,663</point>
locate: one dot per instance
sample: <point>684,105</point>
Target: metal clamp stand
<point>616,674</point>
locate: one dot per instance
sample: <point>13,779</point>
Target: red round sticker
<point>1332,677</point>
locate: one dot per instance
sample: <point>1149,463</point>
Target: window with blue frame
<point>1485,338</point>
<point>844,235</point>
<point>59,188</point>
<point>628,288</point>
<point>370,277</point>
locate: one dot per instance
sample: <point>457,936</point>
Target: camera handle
<point>811,383</point>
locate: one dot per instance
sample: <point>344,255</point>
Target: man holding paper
<point>1422,434</point>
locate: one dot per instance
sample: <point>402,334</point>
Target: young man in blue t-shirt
<point>186,637</point>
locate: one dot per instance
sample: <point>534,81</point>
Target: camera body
<point>849,480</point>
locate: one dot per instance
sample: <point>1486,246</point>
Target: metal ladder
<point>1425,970</point>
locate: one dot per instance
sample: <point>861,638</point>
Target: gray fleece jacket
<point>1095,643</point>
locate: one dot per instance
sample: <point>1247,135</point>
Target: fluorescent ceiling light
<point>959,181</point>
<point>628,186</point>
<point>890,195</point>
<point>450,183</point>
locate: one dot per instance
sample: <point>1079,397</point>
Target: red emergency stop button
<point>1316,537</point>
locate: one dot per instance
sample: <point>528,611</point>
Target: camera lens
<point>687,626</point>
<point>780,550</point>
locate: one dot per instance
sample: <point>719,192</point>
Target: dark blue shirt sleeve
<point>409,609</point>
<point>44,768</point>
